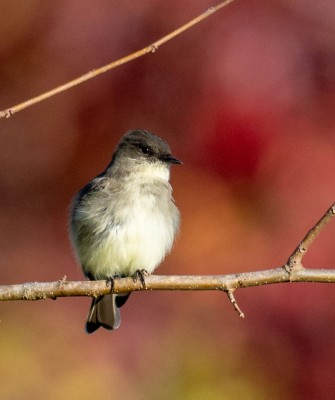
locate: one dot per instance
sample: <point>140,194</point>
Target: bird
<point>124,221</point>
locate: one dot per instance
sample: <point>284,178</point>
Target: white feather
<point>145,229</point>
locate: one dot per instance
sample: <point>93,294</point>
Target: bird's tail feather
<point>103,312</point>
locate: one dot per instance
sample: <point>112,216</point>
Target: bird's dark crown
<point>145,146</point>
<point>143,143</point>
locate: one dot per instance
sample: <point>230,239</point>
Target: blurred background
<point>246,99</point>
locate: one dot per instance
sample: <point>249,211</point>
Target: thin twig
<point>231,297</point>
<point>295,260</point>
<point>95,72</point>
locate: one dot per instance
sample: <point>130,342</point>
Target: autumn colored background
<point>246,99</point>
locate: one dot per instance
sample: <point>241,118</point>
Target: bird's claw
<point>139,275</point>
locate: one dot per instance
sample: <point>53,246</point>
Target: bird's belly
<point>140,242</point>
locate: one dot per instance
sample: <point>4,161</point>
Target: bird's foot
<point>139,275</point>
<point>110,281</point>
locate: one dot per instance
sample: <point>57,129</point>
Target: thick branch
<point>62,288</point>
<point>95,72</point>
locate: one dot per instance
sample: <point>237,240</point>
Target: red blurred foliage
<point>246,100</point>
<point>234,146</point>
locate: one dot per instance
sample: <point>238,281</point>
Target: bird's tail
<point>105,312</point>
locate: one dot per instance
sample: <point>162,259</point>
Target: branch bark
<point>64,288</point>
<point>292,271</point>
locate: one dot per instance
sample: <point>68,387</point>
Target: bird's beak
<point>173,160</point>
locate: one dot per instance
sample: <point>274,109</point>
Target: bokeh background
<point>246,99</point>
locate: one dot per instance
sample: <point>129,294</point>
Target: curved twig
<point>95,72</point>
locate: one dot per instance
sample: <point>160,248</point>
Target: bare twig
<point>295,260</point>
<point>231,297</point>
<point>95,72</point>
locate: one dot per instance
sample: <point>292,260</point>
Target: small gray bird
<point>124,221</point>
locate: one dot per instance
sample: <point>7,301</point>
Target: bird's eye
<point>146,150</point>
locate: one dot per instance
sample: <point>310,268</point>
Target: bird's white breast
<point>134,230</point>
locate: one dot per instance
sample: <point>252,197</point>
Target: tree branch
<point>292,271</point>
<point>95,72</point>
<point>63,288</point>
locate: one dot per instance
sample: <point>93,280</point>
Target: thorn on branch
<point>234,302</point>
<point>62,280</point>
<point>154,47</point>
